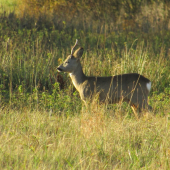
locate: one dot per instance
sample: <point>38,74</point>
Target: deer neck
<point>78,77</point>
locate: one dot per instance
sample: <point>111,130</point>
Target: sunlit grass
<point>90,140</point>
<point>42,130</point>
<point>9,5</point>
<point>45,127</point>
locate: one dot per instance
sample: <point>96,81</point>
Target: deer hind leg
<point>134,108</point>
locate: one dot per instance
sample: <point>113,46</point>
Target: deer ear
<point>78,53</point>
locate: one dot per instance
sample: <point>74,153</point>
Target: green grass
<point>8,5</point>
<point>45,127</point>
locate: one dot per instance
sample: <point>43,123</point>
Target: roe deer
<point>132,88</point>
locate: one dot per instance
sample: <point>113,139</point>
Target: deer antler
<point>72,50</point>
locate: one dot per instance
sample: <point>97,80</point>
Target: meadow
<point>43,123</point>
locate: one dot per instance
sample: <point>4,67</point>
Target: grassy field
<point>43,123</point>
<point>90,140</point>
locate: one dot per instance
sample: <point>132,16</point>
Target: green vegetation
<point>43,124</point>
<point>8,5</point>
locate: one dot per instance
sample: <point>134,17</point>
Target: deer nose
<point>59,69</point>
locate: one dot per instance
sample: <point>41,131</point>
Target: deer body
<point>132,88</point>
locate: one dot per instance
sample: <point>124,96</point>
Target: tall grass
<point>44,125</point>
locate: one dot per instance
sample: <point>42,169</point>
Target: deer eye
<point>67,62</point>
